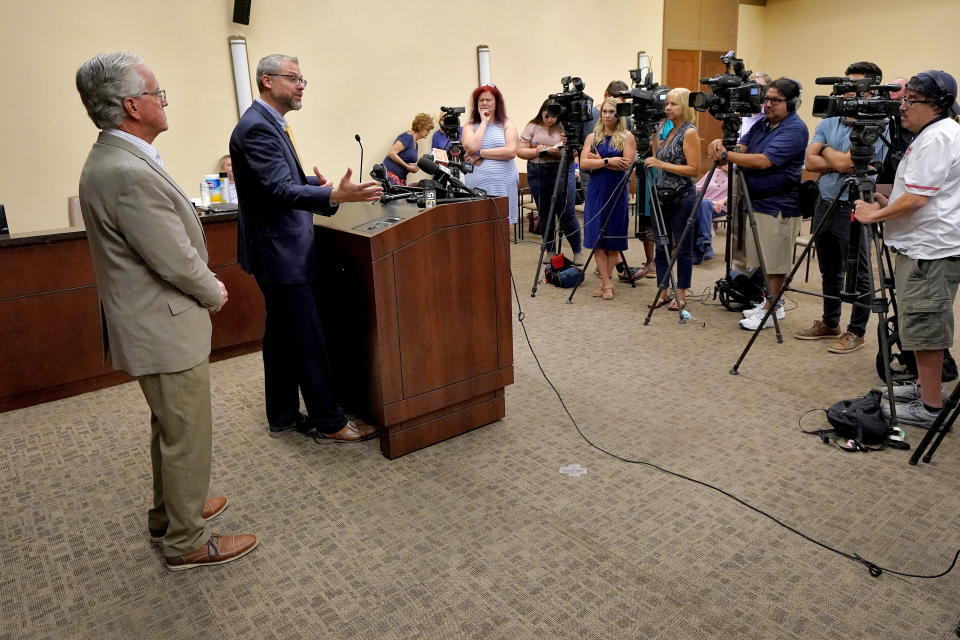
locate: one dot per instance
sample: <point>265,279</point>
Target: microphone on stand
<point>443,174</point>
<point>356,137</point>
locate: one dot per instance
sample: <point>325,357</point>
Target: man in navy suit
<point>275,245</point>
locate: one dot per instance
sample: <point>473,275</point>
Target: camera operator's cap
<point>934,84</point>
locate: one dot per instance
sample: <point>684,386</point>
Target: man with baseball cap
<point>922,225</point>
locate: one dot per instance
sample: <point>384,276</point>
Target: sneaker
<point>909,392</point>
<point>820,331</point>
<point>760,310</point>
<point>751,323</point>
<point>913,413</point>
<point>578,259</point>
<point>708,252</point>
<point>633,277</point>
<point>848,343</point>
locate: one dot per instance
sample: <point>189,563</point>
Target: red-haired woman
<point>490,140</point>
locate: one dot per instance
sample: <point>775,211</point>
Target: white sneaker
<point>752,310</point>
<point>578,259</point>
<point>909,392</point>
<point>759,310</point>
<point>751,323</point>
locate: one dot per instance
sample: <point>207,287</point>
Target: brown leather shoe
<point>211,509</point>
<point>218,550</point>
<point>353,431</point>
<point>848,343</point>
<point>818,331</point>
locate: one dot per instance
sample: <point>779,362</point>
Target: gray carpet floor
<point>481,536</point>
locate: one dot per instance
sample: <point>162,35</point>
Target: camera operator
<point>922,226</point>
<point>899,139</point>
<point>829,155</point>
<point>540,144</point>
<point>758,77</point>
<point>771,158</point>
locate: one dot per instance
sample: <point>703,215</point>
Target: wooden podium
<point>417,313</point>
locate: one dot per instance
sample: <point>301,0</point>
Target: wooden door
<point>685,67</point>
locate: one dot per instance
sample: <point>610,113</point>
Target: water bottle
<point>204,194</point>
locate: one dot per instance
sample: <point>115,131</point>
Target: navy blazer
<point>277,201</point>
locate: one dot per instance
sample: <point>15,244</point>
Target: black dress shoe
<point>297,423</point>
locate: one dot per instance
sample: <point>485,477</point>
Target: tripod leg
<point>687,231</point>
<point>551,221</point>
<point>663,280</point>
<point>939,428</point>
<point>763,265</point>
<point>816,232</point>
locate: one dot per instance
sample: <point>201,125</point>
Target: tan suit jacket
<point>150,257</point>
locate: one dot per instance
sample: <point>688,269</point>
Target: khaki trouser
<point>180,447</point>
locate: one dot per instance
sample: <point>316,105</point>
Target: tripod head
<point>864,134</point>
<point>731,131</point>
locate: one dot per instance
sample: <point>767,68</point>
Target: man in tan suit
<point>150,257</point>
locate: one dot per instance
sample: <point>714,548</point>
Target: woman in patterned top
<point>677,159</point>
<point>490,141</point>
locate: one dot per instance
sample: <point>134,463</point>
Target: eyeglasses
<point>160,93</point>
<point>909,102</point>
<point>773,100</point>
<point>296,79</point>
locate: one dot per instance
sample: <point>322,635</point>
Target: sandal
<point>676,307</point>
<point>598,291</point>
<point>647,272</point>
<point>660,302</point>
<point>608,292</point>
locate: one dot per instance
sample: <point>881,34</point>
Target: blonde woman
<point>677,160</point>
<point>401,160</point>
<point>608,153</point>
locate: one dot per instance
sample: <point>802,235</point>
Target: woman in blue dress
<point>608,153</point>
<point>677,161</point>
<point>401,160</point>
<point>490,141</point>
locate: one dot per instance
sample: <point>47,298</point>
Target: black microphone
<point>440,172</point>
<point>390,197</point>
<point>832,80</point>
<point>356,137</point>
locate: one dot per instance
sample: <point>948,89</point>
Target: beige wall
<point>369,81</point>
<point>804,39</point>
<point>750,35</point>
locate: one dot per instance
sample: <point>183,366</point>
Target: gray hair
<point>271,64</point>
<point>760,75</point>
<point>104,81</point>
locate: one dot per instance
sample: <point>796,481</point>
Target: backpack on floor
<point>859,425</point>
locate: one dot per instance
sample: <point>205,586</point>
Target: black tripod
<point>735,184</point>
<point>558,201</point>
<point>939,428</point>
<point>603,230</point>
<point>859,186</point>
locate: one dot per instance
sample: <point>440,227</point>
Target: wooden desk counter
<point>51,345</point>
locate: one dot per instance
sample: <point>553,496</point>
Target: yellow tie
<point>292,141</point>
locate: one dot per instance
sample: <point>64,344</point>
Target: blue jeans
<point>541,177</point>
<point>704,226</point>
<point>675,220</point>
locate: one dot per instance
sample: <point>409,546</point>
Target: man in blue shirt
<point>771,158</point>
<point>829,155</point>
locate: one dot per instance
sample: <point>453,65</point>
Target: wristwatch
<point>723,156</point>
<point>606,162</point>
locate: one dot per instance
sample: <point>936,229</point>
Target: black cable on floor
<point>874,569</point>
